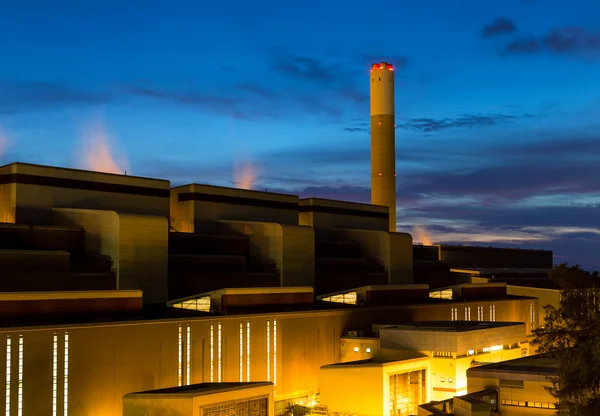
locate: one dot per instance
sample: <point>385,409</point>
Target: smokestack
<point>383,139</point>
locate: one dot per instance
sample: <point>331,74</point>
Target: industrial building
<point>122,295</point>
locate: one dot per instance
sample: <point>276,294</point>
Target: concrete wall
<point>198,208</point>
<point>41,188</point>
<point>545,297</point>
<point>327,213</point>
<point>290,247</point>
<point>107,361</point>
<point>137,244</point>
<point>353,390</point>
<point>148,406</point>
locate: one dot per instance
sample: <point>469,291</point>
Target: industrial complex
<point>123,295</point>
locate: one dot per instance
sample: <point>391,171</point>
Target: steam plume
<point>96,152</point>
<point>421,235</point>
<point>244,176</point>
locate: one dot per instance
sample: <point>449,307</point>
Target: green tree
<point>571,335</point>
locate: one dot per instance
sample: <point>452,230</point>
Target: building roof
<point>451,326</point>
<point>399,355</point>
<point>535,364</point>
<point>70,295</point>
<point>201,389</point>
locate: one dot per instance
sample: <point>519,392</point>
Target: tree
<point>573,277</point>
<point>571,335</point>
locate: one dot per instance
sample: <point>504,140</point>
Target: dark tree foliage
<point>573,277</point>
<point>571,335</point>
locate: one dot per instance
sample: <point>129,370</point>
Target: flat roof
<point>534,364</point>
<point>450,326</point>
<point>479,271</point>
<point>399,356</point>
<point>201,389</point>
<point>246,291</point>
<point>91,294</point>
<point>375,288</point>
<point>75,170</point>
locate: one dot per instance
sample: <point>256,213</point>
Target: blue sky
<point>497,103</point>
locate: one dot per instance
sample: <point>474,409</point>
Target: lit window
<point>66,377</point>
<point>248,351</point>
<point>219,357</point>
<point>467,313</point>
<point>55,375</point>
<point>471,352</point>
<point>8,365</point>
<point>368,349</point>
<point>268,350</point>
<point>355,349</point>
<point>450,380</point>
<point>442,379</point>
<point>486,349</point>
<point>496,348</point>
<point>212,353</point>
<point>20,385</point>
<point>180,359</point>
<point>188,357</point>
<point>274,352</point>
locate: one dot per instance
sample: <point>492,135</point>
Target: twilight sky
<point>497,103</point>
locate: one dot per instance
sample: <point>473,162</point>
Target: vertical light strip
<point>55,376</point>
<point>268,350</point>
<point>66,377</point>
<point>20,384</point>
<point>180,358</point>
<point>274,352</point>
<point>188,358</point>
<point>219,351</point>
<point>212,353</point>
<point>248,351</point>
<point>8,365</point>
<point>241,352</point>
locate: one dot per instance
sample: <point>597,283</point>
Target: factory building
<point>122,295</point>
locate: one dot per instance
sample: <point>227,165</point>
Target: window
<point>20,382</point>
<point>368,350</point>
<point>442,379</point>
<point>492,313</point>
<point>219,351</point>
<point>467,313</point>
<point>471,352</point>
<point>450,380</point>
<point>274,352</point>
<point>268,350</point>
<point>8,365</point>
<point>454,313</point>
<point>212,353</point>
<point>480,312</point>
<point>532,315</point>
<point>188,356</point>
<point>66,376</point>
<point>180,359</point>
<point>247,351</point>
<point>55,375</point>
<point>241,352</point>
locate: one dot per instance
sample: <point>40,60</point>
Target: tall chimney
<point>383,139</point>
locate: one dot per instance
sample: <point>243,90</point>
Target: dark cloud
<point>27,96</point>
<point>306,68</point>
<point>426,124</point>
<point>565,40</point>
<point>527,45</point>
<point>500,26</point>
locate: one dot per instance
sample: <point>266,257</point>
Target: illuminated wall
<point>107,361</point>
